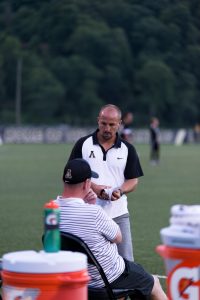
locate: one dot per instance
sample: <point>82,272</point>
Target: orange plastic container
<point>45,276</point>
<point>183,272</point>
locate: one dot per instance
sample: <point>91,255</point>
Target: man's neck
<point>106,144</point>
<point>71,194</point>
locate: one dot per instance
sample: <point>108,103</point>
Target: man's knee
<point>157,291</point>
<point>156,285</point>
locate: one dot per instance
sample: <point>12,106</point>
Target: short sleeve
<point>106,226</point>
<point>133,167</point>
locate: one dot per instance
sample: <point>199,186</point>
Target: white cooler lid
<point>185,210</point>
<point>43,262</point>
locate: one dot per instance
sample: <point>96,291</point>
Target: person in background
<point>196,133</point>
<point>126,131</point>
<point>154,141</point>
<point>101,234</point>
<point>118,166</point>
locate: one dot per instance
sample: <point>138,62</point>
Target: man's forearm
<point>129,186</point>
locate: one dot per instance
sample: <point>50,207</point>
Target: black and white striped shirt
<point>97,229</point>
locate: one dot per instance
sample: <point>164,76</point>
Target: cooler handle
<point>68,279</point>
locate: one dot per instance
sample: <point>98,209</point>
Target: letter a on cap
<point>68,175</point>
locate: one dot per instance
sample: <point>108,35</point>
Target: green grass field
<point>30,175</point>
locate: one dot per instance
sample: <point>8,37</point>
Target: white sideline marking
<point>160,276</point>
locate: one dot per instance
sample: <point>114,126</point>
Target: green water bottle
<point>51,227</point>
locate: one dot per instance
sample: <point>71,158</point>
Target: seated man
<point>101,234</point>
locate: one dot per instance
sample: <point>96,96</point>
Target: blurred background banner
<point>69,134</point>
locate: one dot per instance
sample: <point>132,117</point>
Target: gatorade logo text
<point>12,293</point>
<point>185,284</point>
<point>51,219</point>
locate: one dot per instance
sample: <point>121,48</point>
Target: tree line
<point>61,60</point>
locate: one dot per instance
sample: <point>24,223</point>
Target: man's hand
<point>100,190</point>
<point>116,194</point>
<point>105,194</point>
<point>91,197</point>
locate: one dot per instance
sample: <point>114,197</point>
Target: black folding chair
<point>71,242</point>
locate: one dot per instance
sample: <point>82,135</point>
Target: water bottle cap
<point>51,204</point>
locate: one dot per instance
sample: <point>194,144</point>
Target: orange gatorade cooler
<point>31,275</point>
<point>183,272</point>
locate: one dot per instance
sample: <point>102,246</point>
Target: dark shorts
<point>135,277</point>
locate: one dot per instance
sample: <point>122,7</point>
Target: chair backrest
<point>72,242</point>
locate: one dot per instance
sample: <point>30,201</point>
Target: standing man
<point>154,141</point>
<point>126,132</point>
<point>118,167</point>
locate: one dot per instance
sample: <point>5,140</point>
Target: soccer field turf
<point>31,175</point>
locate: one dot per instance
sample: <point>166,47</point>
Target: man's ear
<point>120,122</point>
<point>87,184</point>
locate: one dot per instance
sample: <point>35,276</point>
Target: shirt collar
<point>70,200</point>
<point>117,143</point>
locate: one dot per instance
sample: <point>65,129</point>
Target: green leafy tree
<point>81,89</point>
<point>10,52</point>
<point>42,93</point>
<point>157,82</point>
<point>142,55</point>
